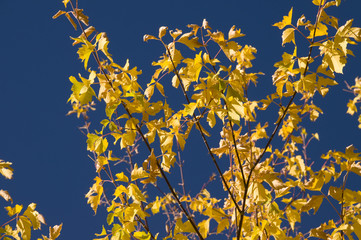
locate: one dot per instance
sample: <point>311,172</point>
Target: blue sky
<point>49,152</point>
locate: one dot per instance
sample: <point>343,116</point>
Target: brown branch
<point>278,124</point>
<point>95,55</point>
<point>201,131</point>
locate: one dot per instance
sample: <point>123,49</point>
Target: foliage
<point>269,183</point>
<point>24,221</point>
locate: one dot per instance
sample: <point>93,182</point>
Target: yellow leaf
<point>288,35</point>
<point>135,193</point>
<point>357,225</point>
<point>301,21</point>
<point>162,31</point>
<point>149,91</point>
<point>218,37</point>
<point>168,160</point>
<point>160,88</point>
<point>318,2</point>
<point>84,53</point>
<point>205,24</point>
<point>321,30</point>
<point>120,190</point>
<point>54,232</point>
<point>65,2</point>
<point>80,15</point>
<point>59,13</point>
<point>285,21</point>
<point>204,227</point>
<point>351,107</point>
<point>71,20</point>
<point>293,216</point>
<point>211,119</point>
<point>348,196</point>
<point>275,182</point>
<point>175,33</point>
<point>223,224</point>
<point>15,210</point>
<point>147,37</point>
<point>5,169</point>
<point>315,183</point>
<point>313,203</point>
<point>142,235</point>
<point>315,135</point>
<point>32,215</point>
<point>103,42</point>
<point>156,205</point>
<point>24,225</point>
<point>138,173</point>
<point>234,33</point>
<point>94,194</point>
<point>4,194</point>
<point>181,227</point>
<point>181,141</point>
<point>103,233</point>
<point>189,109</point>
<point>121,177</point>
<point>355,33</point>
<point>192,43</point>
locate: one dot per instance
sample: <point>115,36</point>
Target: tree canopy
<point>261,179</point>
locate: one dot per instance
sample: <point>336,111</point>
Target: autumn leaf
<point>285,21</point>
<point>288,35</point>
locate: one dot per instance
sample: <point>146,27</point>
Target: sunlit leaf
<point>285,21</point>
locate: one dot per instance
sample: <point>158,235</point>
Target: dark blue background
<point>48,151</point>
